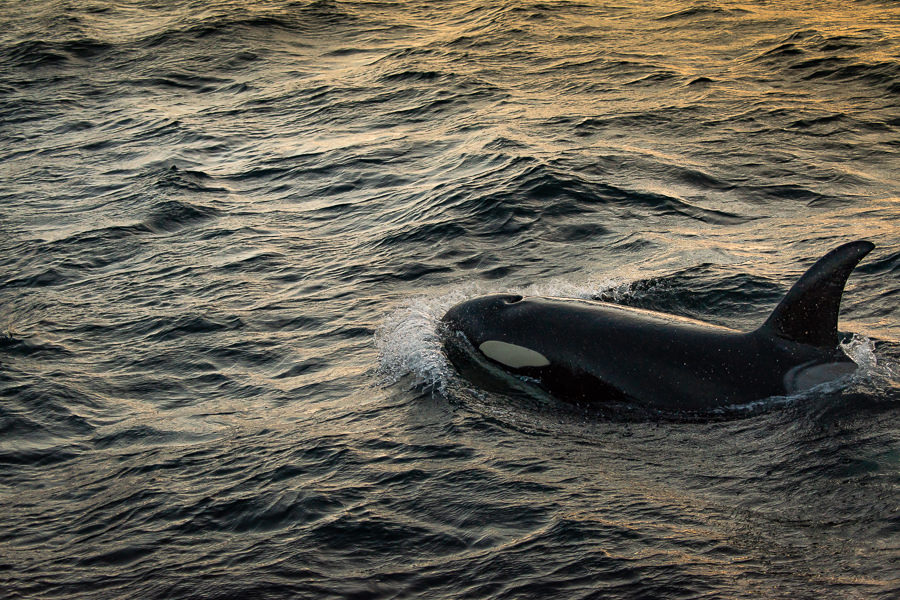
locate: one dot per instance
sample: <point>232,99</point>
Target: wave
<point>229,20</point>
<point>36,53</point>
<point>704,11</point>
<point>510,196</point>
<point>12,344</point>
<point>811,55</point>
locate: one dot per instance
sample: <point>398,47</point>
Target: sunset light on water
<point>229,231</point>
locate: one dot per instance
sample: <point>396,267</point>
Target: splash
<point>861,350</point>
<point>616,289</point>
<point>409,341</point>
<point>880,374</point>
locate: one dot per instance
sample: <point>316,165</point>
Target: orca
<point>588,352</point>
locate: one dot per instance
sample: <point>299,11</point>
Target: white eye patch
<point>512,355</point>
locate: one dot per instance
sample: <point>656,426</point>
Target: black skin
<point>600,352</point>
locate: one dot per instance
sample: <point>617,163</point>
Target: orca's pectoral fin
<point>809,312</point>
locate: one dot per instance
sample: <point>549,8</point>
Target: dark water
<point>227,230</point>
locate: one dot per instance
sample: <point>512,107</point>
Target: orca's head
<point>498,327</point>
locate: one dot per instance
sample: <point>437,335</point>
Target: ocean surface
<point>228,230</point>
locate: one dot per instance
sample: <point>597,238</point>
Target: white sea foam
<point>861,350</point>
<point>409,340</point>
<point>882,373</point>
<point>559,288</point>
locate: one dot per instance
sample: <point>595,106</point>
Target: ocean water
<point>228,230</point>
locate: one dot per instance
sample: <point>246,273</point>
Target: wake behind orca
<point>591,352</point>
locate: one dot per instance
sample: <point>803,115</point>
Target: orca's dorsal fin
<point>808,314</point>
